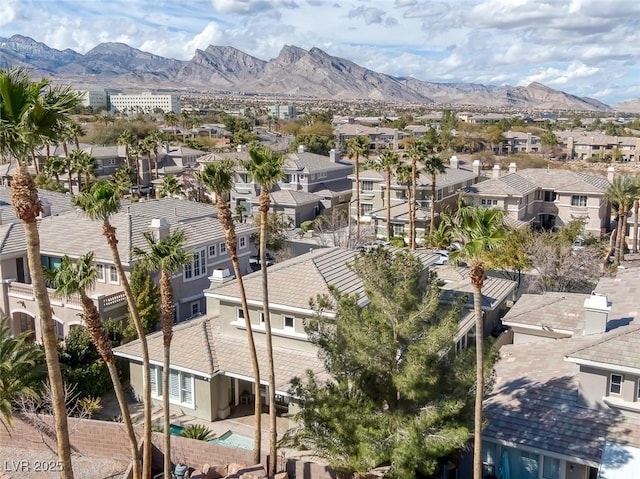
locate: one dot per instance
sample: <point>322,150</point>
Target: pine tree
<point>147,297</point>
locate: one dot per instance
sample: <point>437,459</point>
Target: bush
<point>198,431</point>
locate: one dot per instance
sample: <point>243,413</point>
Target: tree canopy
<point>397,393</point>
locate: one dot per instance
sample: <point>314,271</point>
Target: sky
<point>583,47</point>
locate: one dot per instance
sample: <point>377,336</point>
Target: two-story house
<point>312,184</point>
<point>565,403</point>
<point>546,198</point>
<point>210,360</point>
<point>72,234</point>
<point>373,208</point>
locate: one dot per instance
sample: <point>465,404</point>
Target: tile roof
<point>292,197</point>
<point>58,202</point>
<point>198,345</point>
<point>550,310</point>
<point>458,283</point>
<point>312,163</point>
<point>538,407</point>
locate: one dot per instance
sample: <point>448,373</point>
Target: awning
<point>619,462</point>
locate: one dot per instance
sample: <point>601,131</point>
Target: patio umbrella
<point>505,472</point>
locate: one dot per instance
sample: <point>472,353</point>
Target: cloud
<point>8,11</point>
<point>369,14</point>
<point>211,35</point>
<point>251,7</point>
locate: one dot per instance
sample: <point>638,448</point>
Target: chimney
<point>220,276</point>
<point>46,208</point>
<point>159,228</point>
<point>477,167</point>
<point>497,171</point>
<point>611,173</point>
<point>302,148</point>
<point>597,309</point>
<point>513,168</point>
<point>334,155</point>
<point>454,162</point>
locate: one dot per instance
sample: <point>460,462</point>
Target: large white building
<point>95,99</point>
<point>146,102</point>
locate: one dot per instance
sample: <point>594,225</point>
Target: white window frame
<point>223,248</point>
<point>369,207</point>
<point>112,161</point>
<point>240,315</point>
<point>367,185</point>
<point>611,384</point>
<point>638,390</point>
<point>577,201</point>
<point>100,273</point>
<point>155,379</point>
<point>180,400</point>
<point>197,268</point>
<point>112,271</point>
<point>211,251</point>
<point>242,242</point>
<point>196,310</point>
<point>58,327</point>
<point>293,323</point>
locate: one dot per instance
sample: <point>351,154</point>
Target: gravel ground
<point>18,463</point>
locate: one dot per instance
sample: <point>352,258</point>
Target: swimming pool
<point>175,430</point>
<point>232,439</point>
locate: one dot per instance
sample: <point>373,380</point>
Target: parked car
<point>254,261</point>
<point>144,190</point>
<point>371,245</point>
<point>443,256</point>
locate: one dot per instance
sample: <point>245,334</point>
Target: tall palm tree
<point>100,202</point>
<point>21,369</point>
<point>145,147</point>
<point>480,230</point>
<point>30,114</point>
<point>171,119</point>
<point>167,256</point>
<point>403,177</point>
<point>432,166</point>
<point>387,162</point>
<point>83,164</point>
<point>127,139</point>
<point>622,193</point>
<point>266,168</point>
<point>155,138</point>
<point>68,280</point>
<point>357,147</point>
<point>55,166</point>
<point>417,151</point>
<point>75,132</point>
<point>170,186</point>
<point>218,178</point>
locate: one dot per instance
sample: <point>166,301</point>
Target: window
<point>113,275</point>
<point>212,251</point>
<point>578,200</point>
<point>242,242</point>
<point>261,315</point>
<point>484,202</point>
<point>100,272</point>
<point>197,267</point>
<point>550,468</point>
<point>638,391</point>
<point>549,196</point>
<point>223,248</point>
<point>111,161</point>
<point>50,262</point>
<point>289,322</point>
<point>240,315</point>
<point>180,387</point>
<point>615,384</point>
<point>397,229</point>
<point>59,328</point>
<point>155,380</point>
<point>195,308</point>
<point>367,185</point>
<point>439,195</point>
<point>365,209</point>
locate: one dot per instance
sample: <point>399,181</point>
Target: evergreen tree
<point>397,393</point>
<point>147,297</point>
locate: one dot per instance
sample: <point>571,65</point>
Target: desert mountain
<point>294,72</point>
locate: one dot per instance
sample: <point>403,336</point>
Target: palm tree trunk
<point>636,207</point>
<point>226,220</point>
<point>273,432</point>
<point>432,224</point>
<point>110,234</point>
<point>357,168</point>
<point>477,418</point>
<point>79,178</point>
<point>623,235</point>
<point>155,159</point>
<point>388,186</point>
<point>412,210</point>
<point>166,305</point>
<point>24,197</point>
<point>103,345</point>
<point>149,165</point>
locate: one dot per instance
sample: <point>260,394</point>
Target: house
<point>583,145</point>
<point>312,184</point>
<point>566,399</point>
<point>456,177</point>
<point>211,353</point>
<point>546,198</point>
<point>72,234</point>
<point>379,137</point>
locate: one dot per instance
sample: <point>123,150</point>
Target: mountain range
<point>295,72</point>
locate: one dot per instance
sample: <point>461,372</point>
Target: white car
<point>443,256</point>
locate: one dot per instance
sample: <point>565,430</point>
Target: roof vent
<point>597,309</point>
<point>220,276</point>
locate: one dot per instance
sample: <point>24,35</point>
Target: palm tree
<point>55,166</point>
<point>21,369</point>
<point>83,164</point>
<point>387,162</point>
<point>403,177</point>
<point>480,230</point>
<point>76,131</point>
<point>123,178</point>
<point>170,187</point>
<point>100,202</point>
<point>417,151</point>
<point>432,166</point>
<point>167,256</point>
<point>266,168</point>
<point>31,113</point>
<point>155,138</point>
<point>218,178</point>
<point>171,119</point>
<point>68,280</point>
<point>357,147</point>
<point>145,147</point>
<point>622,193</point>
<point>127,139</point>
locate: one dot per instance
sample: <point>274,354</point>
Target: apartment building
<point>146,102</point>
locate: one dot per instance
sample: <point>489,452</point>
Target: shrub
<point>198,431</point>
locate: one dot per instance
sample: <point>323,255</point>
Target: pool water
<point>232,439</point>
<point>175,430</point>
